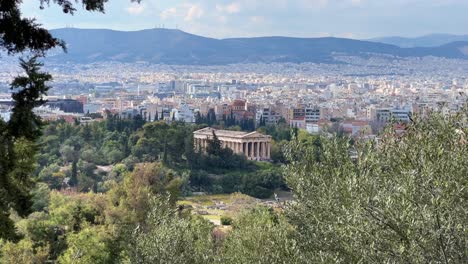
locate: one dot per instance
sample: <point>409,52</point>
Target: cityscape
<point>233,132</point>
<point>360,96</point>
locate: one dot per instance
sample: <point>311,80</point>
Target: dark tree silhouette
<point>18,136</point>
<point>17,144</point>
<point>18,34</point>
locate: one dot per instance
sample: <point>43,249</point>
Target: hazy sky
<point>302,18</point>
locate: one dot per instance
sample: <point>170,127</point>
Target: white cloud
<point>194,12</point>
<point>135,9</point>
<point>168,13</point>
<point>231,8</point>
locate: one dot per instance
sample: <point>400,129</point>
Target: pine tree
<point>214,145</point>
<point>74,174</point>
<point>17,144</point>
<point>32,89</point>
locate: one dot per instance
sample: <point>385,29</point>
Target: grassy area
<point>212,207</point>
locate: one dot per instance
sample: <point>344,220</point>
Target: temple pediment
<point>254,135</point>
<point>208,132</point>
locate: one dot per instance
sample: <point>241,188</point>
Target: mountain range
<point>432,40</point>
<point>169,46</point>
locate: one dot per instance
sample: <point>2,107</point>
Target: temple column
<point>258,151</point>
<point>252,150</point>
<point>254,147</point>
<point>268,150</point>
<point>262,150</point>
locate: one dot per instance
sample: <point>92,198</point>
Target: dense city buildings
<point>357,97</point>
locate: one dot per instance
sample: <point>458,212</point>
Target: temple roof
<point>208,131</point>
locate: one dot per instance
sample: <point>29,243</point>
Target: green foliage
<point>259,183</point>
<point>90,245</point>
<point>22,252</point>
<point>17,144</point>
<point>279,132</point>
<point>169,238</point>
<point>260,236</point>
<point>66,156</point>
<point>403,200</point>
<point>226,220</point>
<point>130,199</point>
<point>52,176</point>
<point>32,88</point>
<point>40,197</point>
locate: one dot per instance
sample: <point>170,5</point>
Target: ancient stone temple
<point>254,145</point>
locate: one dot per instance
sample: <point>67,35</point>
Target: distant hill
<point>170,46</point>
<point>432,40</point>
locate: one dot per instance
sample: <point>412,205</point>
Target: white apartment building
<point>388,114</point>
<point>184,113</point>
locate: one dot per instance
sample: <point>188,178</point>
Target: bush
<point>226,220</point>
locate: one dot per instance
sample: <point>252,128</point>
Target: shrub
<point>226,220</point>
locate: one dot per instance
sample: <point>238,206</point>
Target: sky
<point>359,19</point>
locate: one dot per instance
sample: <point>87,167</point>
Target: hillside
<point>432,40</point>
<point>169,46</point>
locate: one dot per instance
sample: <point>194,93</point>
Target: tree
<point>260,236</point>
<point>402,201</point>
<point>17,143</point>
<point>214,146</point>
<point>22,252</point>
<point>130,198</point>
<point>32,89</point>
<point>168,237</point>
<point>90,245</point>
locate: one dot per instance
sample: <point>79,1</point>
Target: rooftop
<point>208,131</point>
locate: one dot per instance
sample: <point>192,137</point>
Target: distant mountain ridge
<point>432,40</point>
<point>169,46</point>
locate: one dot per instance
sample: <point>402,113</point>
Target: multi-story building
<point>388,114</point>
<point>312,114</point>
